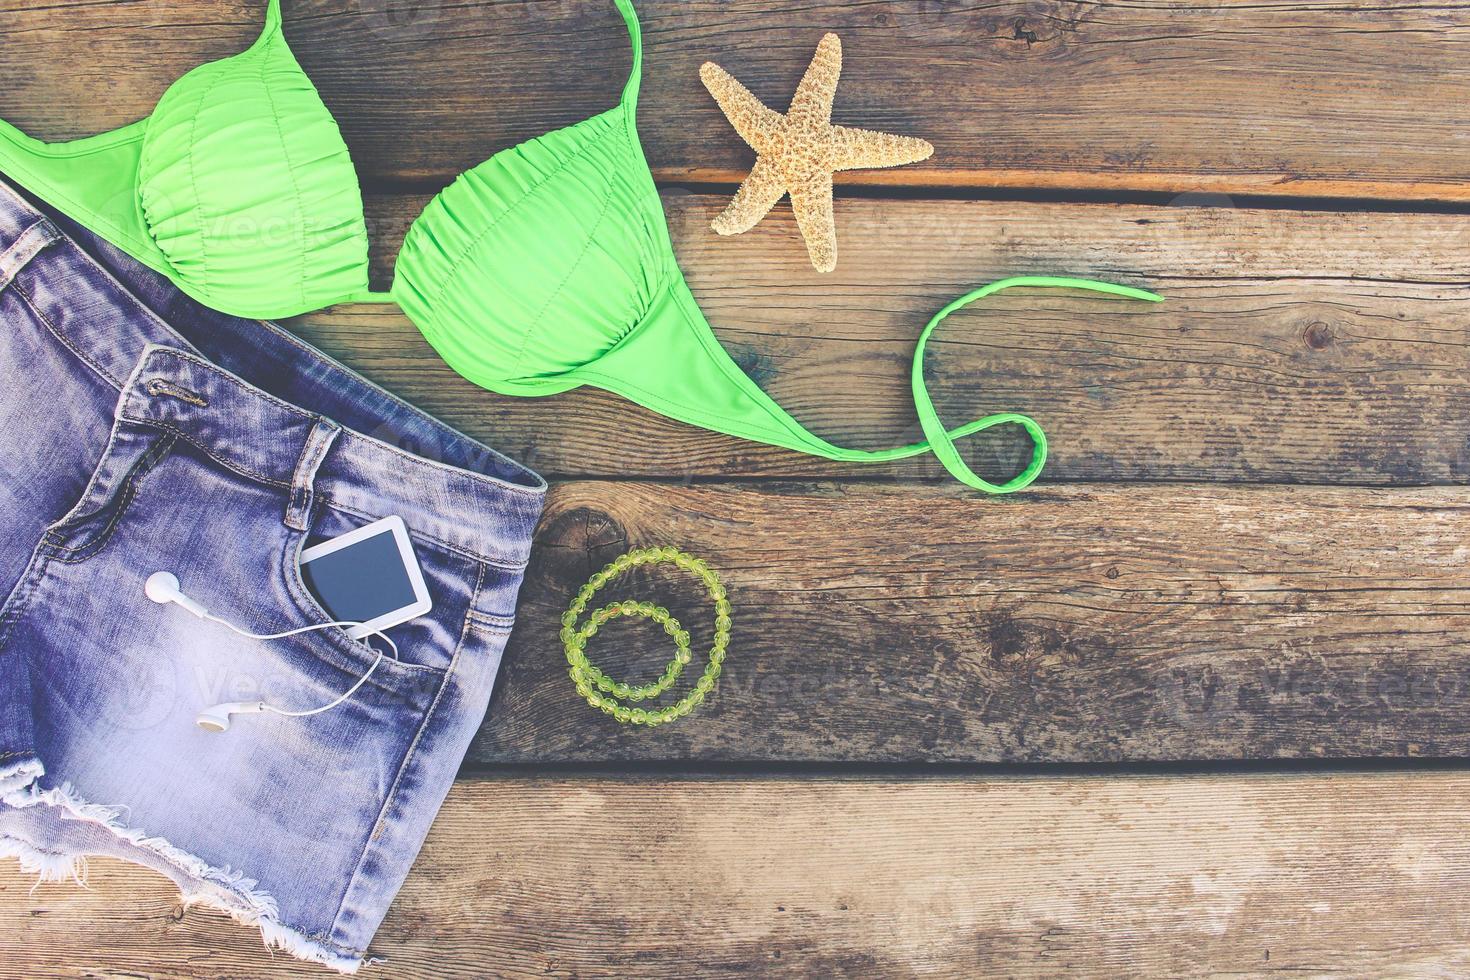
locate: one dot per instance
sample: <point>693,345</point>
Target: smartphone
<point>369,576</point>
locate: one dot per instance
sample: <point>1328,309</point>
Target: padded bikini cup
<point>540,260</point>
<point>247,188</point>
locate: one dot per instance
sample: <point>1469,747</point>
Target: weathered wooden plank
<point>1324,875</point>
<point>1294,346</point>
<point>1072,624</point>
<point>1349,99</point>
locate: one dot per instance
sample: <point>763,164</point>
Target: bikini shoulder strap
<point>635,38</point>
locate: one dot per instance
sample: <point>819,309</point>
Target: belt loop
<point>24,248</point>
<point>298,512</point>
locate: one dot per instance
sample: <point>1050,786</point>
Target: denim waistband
<point>259,398</point>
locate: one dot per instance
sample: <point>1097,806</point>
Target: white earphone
<point>163,588</point>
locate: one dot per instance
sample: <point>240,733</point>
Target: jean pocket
<point>426,644</point>
<point>401,659</point>
<point>407,655</point>
<point>131,455</point>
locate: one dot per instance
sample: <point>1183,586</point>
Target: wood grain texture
<point>1355,99</point>
<point>1074,624</point>
<point>906,620</point>
<point>1295,346</point>
<point>1331,875</point>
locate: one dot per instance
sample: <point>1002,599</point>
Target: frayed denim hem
<point>199,884</point>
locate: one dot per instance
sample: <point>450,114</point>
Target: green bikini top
<point>545,268</point>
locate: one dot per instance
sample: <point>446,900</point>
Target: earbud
<point>163,588</point>
<point>217,719</point>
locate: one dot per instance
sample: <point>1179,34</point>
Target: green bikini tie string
<point>604,693</point>
<point>940,440</point>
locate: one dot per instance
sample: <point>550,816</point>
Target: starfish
<point>799,152</point>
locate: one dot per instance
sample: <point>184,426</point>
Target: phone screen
<point>362,581</point>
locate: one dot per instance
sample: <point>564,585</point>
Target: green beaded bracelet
<point>596,686</point>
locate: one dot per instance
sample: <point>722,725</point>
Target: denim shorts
<point>141,432</point>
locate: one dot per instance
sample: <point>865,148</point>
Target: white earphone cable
<point>163,588</point>
<point>311,629</point>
